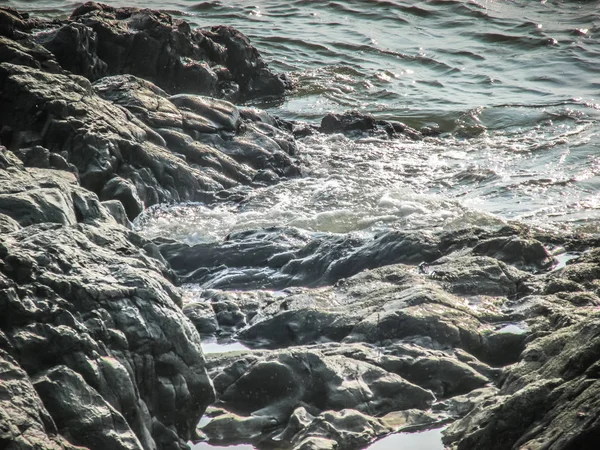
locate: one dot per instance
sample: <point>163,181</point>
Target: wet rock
<point>100,40</point>
<point>229,428</point>
<point>478,275</point>
<point>26,424</point>
<point>246,66</point>
<point>202,315</point>
<point>75,47</point>
<point>334,429</point>
<point>522,253</point>
<point>169,146</point>
<point>125,192</point>
<point>302,394</point>
<point>349,121</point>
<point>355,123</point>
<point>81,413</point>
<point>552,389</point>
<point>91,318</point>
<point>38,156</point>
<point>8,224</point>
<point>377,306</point>
<point>117,211</point>
<point>325,382</point>
<point>293,258</point>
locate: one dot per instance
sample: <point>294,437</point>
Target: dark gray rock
<point>81,413</point>
<point>124,191</point>
<point>90,314</point>
<point>522,253</point>
<point>293,257</point>
<point>202,315</point>
<point>357,124</point>
<point>550,396</point>
<point>100,40</point>
<point>26,424</point>
<point>340,394</point>
<point>117,211</point>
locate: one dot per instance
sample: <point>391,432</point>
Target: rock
<point>100,40</point>
<point>7,224</point>
<point>38,156</point>
<point>124,191</point>
<point>521,253</point>
<point>326,382</point>
<point>75,47</point>
<point>202,316</point>
<point>349,121</point>
<point>294,258</point>
<point>26,424</point>
<point>357,124</point>
<point>117,211</point>
<point>91,318</point>
<point>169,146</point>
<point>549,397</point>
<point>246,66</point>
<point>81,413</point>
<point>230,428</point>
<point>340,397</point>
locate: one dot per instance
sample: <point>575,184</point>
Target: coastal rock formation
<point>99,40</point>
<point>350,337</point>
<point>94,347</point>
<point>126,138</point>
<point>483,323</point>
<point>93,339</point>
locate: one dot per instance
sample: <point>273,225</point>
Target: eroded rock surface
<point>125,137</point>
<point>481,323</point>
<point>93,339</point>
<point>351,337</point>
<point>94,346</point>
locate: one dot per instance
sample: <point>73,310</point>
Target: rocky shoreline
<point>114,110</point>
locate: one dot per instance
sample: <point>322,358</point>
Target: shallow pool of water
<point>422,440</point>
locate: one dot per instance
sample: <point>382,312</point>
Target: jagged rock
<point>100,40</point>
<point>202,315</point>
<point>81,413</point>
<point>294,258</point>
<point>355,123</point>
<point>91,317</point>
<point>323,381</point>
<point>521,253</point>
<point>117,211</point>
<point>349,121</point>
<point>26,424</point>
<point>124,191</point>
<point>548,398</point>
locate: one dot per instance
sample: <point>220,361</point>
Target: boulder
<point>97,327</point>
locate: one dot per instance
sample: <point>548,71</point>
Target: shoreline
<point>118,109</point>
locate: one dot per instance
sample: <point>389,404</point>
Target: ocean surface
<point>512,86</point>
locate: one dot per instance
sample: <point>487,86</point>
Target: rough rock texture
<point>351,337</point>
<point>95,351</point>
<point>159,147</point>
<point>93,341</point>
<point>477,317</point>
<point>100,40</point>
